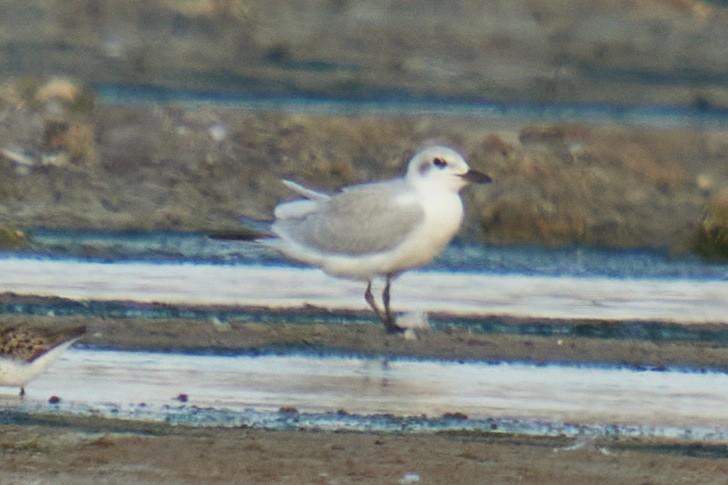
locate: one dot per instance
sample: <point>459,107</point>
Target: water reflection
<point>150,383</point>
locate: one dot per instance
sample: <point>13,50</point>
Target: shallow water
<point>656,299</point>
<point>351,392</point>
<point>176,247</point>
<point>191,269</point>
<point>343,392</point>
<point>575,112</point>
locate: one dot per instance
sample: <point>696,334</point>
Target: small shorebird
<point>378,229</point>
<point>27,351</point>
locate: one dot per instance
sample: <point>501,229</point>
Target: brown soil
<point>66,161</point>
<point>629,52</point>
<point>160,168</point>
<point>89,450</point>
<point>370,339</point>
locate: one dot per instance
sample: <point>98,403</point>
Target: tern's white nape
<point>379,228</point>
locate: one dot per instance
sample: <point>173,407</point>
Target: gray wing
<point>361,220</point>
<point>305,191</point>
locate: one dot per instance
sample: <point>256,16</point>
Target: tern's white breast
<point>443,216</point>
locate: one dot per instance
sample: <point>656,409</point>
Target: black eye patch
<point>439,162</point>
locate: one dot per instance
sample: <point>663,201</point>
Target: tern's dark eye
<point>439,162</point>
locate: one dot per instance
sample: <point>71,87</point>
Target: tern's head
<point>442,167</point>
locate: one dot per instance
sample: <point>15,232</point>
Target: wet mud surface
<point>514,341</point>
<point>70,450</point>
<point>63,448</point>
<point>74,153</point>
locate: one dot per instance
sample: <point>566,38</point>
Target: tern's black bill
<point>476,177</point>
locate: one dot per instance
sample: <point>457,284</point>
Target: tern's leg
<point>388,316</point>
<point>22,391</point>
<point>372,302</point>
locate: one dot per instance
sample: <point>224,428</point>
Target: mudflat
<point>71,450</point>
<point>69,159</point>
<point>59,448</point>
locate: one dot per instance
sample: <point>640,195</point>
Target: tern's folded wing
<point>304,191</point>
<point>299,208</point>
<point>360,220</point>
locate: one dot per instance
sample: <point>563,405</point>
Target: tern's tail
<point>250,230</point>
<point>257,229</point>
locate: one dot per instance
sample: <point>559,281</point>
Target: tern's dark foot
<point>393,328</point>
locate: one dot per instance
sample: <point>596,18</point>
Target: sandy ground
<point>78,451</point>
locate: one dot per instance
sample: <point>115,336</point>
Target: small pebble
<point>218,132</point>
<point>182,397</point>
<point>54,400</point>
<point>220,325</point>
<point>455,416</point>
<point>410,477</point>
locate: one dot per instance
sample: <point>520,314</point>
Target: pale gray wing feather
<point>305,191</point>
<point>295,209</point>
<point>361,220</point>
<point>299,208</point>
